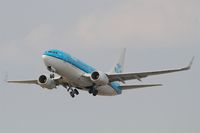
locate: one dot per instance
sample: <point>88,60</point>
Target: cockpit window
<point>53,52</point>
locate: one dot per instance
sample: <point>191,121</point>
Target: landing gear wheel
<point>90,91</point>
<point>95,92</point>
<point>52,75</point>
<point>72,94</point>
<point>76,91</point>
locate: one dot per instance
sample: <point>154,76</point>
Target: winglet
<point>191,62</point>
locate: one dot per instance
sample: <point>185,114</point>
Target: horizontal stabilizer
<point>127,87</point>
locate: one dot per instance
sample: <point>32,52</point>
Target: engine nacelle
<point>46,82</point>
<point>99,78</point>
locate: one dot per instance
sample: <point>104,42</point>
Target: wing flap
<point>127,87</point>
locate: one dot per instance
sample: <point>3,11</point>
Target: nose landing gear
<point>52,75</point>
<point>52,70</point>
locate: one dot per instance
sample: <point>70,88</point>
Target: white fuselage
<point>74,76</point>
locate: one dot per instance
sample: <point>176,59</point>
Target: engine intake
<point>95,75</point>
<point>99,78</point>
<point>46,82</point>
<point>42,79</point>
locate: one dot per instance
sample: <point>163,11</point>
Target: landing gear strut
<point>52,75</point>
<point>52,70</point>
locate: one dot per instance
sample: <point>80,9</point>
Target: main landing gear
<point>72,91</point>
<point>93,91</point>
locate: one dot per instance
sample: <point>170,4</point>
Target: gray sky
<point>158,34</point>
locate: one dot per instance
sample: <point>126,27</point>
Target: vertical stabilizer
<point>119,65</point>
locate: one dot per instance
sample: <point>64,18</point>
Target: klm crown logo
<point>118,68</point>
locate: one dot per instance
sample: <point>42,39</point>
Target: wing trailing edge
<point>130,76</point>
<point>128,87</point>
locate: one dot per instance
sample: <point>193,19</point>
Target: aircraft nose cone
<point>45,59</point>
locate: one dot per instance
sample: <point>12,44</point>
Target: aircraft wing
<point>58,80</point>
<point>127,87</point>
<point>129,76</point>
<point>24,82</point>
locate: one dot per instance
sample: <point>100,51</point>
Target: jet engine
<point>99,78</point>
<point>46,82</point>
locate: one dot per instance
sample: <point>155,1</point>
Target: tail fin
<point>119,65</point>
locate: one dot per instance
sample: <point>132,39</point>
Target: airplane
<point>74,74</point>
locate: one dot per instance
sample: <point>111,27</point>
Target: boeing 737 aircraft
<point>76,75</point>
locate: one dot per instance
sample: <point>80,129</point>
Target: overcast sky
<point>158,34</point>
